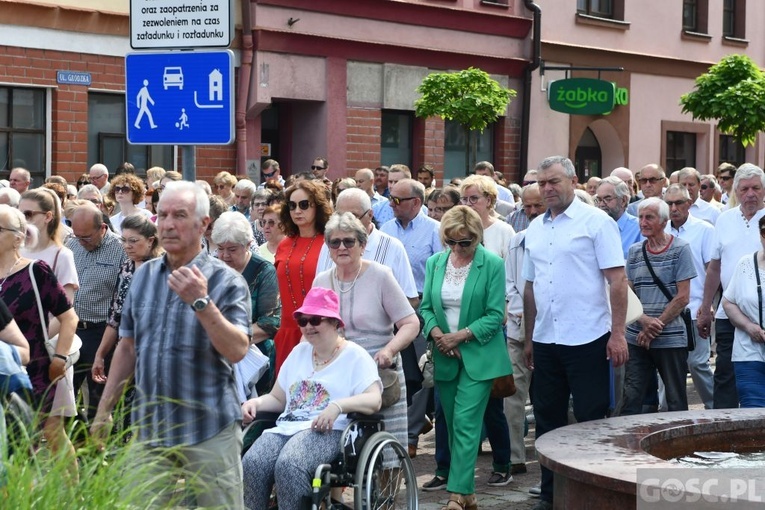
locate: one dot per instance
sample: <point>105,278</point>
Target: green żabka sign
<point>586,96</point>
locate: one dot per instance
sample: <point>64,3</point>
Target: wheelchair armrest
<point>365,417</point>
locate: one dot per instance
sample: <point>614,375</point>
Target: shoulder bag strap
<point>653,275</point>
<point>759,287</point>
<point>55,260</point>
<point>40,310</point>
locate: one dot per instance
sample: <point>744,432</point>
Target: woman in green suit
<point>463,304</point>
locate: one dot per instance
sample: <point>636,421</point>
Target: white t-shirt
<point>65,270</point>
<point>118,218</point>
<point>309,392</point>
<point>742,291</point>
<point>497,238</point>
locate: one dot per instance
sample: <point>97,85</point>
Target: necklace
<point>321,363</point>
<point>10,271</point>
<point>339,287</point>
<point>300,271</point>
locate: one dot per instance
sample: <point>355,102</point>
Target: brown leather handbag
<point>503,386</point>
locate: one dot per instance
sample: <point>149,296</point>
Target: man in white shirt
<point>365,180</point>
<point>691,179</point>
<point>737,234</point>
<point>700,235</point>
<point>571,252</point>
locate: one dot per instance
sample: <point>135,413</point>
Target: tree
<point>733,93</point>
<point>470,97</point>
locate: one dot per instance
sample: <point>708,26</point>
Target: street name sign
<point>180,98</point>
<point>167,24</point>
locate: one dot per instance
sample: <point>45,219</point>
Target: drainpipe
<point>536,57</point>
<point>243,91</point>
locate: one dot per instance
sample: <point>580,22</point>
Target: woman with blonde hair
<point>271,226</point>
<point>223,185</point>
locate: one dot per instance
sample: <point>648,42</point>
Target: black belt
<point>90,325</point>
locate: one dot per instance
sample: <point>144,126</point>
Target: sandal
<point>461,502</point>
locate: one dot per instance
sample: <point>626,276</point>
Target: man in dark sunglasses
<point>271,172</point>
<point>726,172</point>
<point>652,181</point>
<point>708,189</point>
<point>319,167</point>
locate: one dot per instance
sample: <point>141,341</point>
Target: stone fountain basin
<point>595,463</point>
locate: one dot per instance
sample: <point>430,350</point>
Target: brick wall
<point>429,146</point>
<point>363,144</point>
<point>507,141</point>
<point>69,105</point>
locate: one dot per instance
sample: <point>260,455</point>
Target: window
<point>691,15</point>
<point>734,16</point>
<point>22,131</point>
<point>455,144</point>
<point>681,150</point>
<point>731,151</point>
<point>599,8</point>
<point>396,137</point>
<point>107,142</point>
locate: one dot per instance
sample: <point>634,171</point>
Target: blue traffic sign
<point>180,98</point>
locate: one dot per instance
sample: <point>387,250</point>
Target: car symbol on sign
<point>172,77</point>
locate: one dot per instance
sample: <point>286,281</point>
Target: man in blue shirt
<point>613,197</point>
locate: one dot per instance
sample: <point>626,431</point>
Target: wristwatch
<point>200,304</point>
<point>61,356</point>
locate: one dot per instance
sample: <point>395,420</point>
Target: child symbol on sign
<point>183,121</point>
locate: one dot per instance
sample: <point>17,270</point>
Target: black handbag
<point>685,314</point>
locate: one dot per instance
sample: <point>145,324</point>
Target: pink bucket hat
<point>321,302</point>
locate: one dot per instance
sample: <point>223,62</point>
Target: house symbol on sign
<point>214,89</point>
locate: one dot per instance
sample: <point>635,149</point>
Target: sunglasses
<point>221,186</point>
<point>314,167</point>
<point>464,243</point>
<point>675,202</point>
<point>82,183</point>
<point>704,186</point>
<point>348,242</point>
<point>269,223</point>
<point>303,204</point>
<point>313,320</point>
<point>269,175</point>
<point>652,180</point>
<point>122,189</point>
<point>726,177</point>
<point>397,200</point>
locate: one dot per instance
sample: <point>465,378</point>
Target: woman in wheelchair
<point>323,378</point>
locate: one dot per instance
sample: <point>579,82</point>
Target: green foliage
<point>470,97</point>
<point>733,93</point>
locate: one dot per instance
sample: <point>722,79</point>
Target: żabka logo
<point>585,96</point>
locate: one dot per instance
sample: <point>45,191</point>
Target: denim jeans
<point>672,364</point>
<point>561,371</point>
<point>750,382</point>
<point>725,394</point>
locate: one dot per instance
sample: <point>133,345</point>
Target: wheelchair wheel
<point>379,486</point>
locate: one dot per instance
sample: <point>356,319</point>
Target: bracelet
<point>337,405</point>
<point>470,335</point>
<point>60,356</point>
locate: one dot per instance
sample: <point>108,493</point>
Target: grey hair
<point>678,188</point>
<point>357,194</point>
<point>245,185</point>
<point>22,230</point>
<point>621,189</point>
<point>345,222</point>
<point>201,200</point>
<point>563,161</point>
<point>262,193</point>
<point>689,170</point>
<point>199,182</point>
<point>14,197</point>
<point>747,171</point>
<point>661,207</point>
<point>232,227</point>
<point>88,189</point>
<point>416,188</point>
<point>584,197</point>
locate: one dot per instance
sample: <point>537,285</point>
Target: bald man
<point>20,179</point>
<point>365,180</point>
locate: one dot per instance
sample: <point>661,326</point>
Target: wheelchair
<point>367,453</point>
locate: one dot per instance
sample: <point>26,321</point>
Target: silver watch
<point>200,304</point>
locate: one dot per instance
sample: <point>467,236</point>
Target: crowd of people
<point>200,304</point>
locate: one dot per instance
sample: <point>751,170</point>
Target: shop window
<point>609,9</point>
<point>23,131</point>
<point>731,151</point>
<point>455,144</point>
<point>396,138</point>
<point>695,16</point>
<point>734,19</point>
<point>107,142</point>
<point>681,150</point>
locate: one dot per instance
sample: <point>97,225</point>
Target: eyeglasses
<point>303,204</point>
<point>93,200</point>
<point>676,203</point>
<point>313,320</point>
<point>269,175</point>
<point>220,186</point>
<point>605,199</point>
<point>259,204</point>
<point>726,177</point>
<point>398,200</point>
<point>97,176</point>
<point>130,241</point>
<point>526,183</point>
<point>122,189</point>
<point>442,209</point>
<point>464,243</point>
<point>3,229</point>
<point>362,214</point>
<point>348,242</point>
<point>472,199</point>
<point>31,214</point>
<point>705,186</point>
<point>652,180</point>
<point>264,223</point>
<point>82,183</point>
<point>314,167</point>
